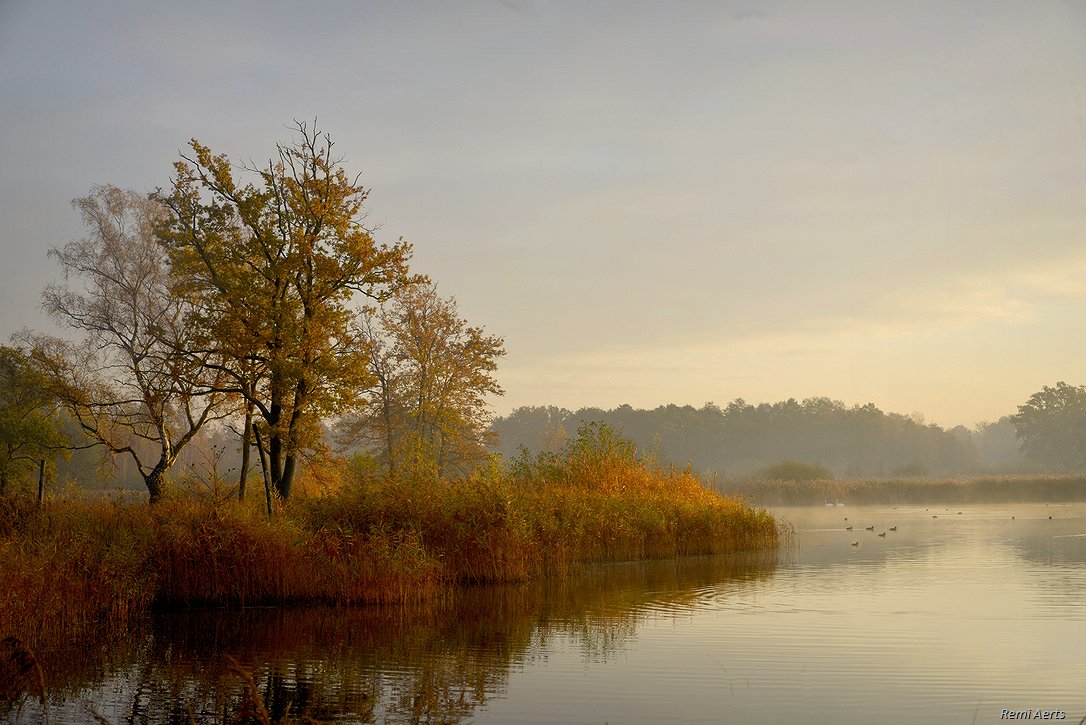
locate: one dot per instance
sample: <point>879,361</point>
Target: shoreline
<point>72,566</point>
<point>960,490</point>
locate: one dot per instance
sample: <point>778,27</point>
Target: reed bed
<point>495,528</point>
<point>980,489</point>
<point>65,568</point>
<point>70,566</point>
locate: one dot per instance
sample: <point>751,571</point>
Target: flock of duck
<point>892,528</point>
<point>868,528</point>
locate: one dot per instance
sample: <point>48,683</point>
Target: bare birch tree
<point>132,383</point>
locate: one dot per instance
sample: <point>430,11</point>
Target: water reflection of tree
<point>431,664</point>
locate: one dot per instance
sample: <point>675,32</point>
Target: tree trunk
<point>439,453</point>
<point>275,461</point>
<point>386,410</point>
<point>154,490</point>
<point>390,452</point>
<point>275,446</point>
<point>290,455</point>
<point>246,436</point>
<point>288,475</point>
<point>153,481</point>
<point>264,469</point>
<point>41,480</point>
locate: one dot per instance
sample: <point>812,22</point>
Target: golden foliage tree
<point>272,265</point>
<point>432,372</point>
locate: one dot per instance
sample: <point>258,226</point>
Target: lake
<point>956,616</point>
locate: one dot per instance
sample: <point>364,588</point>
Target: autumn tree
<point>29,429</point>
<point>432,372</point>
<point>272,264</point>
<point>1051,426</point>
<point>127,384</point>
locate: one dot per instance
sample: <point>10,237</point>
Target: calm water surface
<point>949,619</point>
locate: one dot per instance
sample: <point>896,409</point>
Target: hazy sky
<point>652,202</point>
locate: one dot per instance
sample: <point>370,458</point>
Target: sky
<point>651,203</point>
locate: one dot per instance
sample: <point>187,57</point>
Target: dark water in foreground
<point>946,620</point>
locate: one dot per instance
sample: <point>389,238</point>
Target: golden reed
<point>70,566</point>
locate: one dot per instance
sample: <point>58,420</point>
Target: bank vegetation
<point>352,535</point>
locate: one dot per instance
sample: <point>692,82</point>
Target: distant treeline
<point>742,438</point>
<point>980,489</point>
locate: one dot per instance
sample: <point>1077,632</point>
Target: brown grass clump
<point>599,498</point>
<point>225,555</point>
<point>69,567</point>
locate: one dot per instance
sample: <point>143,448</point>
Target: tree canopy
<point>29,429</point>
<point>431,373</point>
<point>272,265</point>
<point>1051,426</point>
<point>256,292</point>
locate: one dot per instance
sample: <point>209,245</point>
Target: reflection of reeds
<point>20,676</point>
<point>981,489</point>
<point>438,660</point>
<point>252,704</point>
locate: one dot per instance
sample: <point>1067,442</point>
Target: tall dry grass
<point>595,502</point>
<point>67,567</point>
<point>70,566</point>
